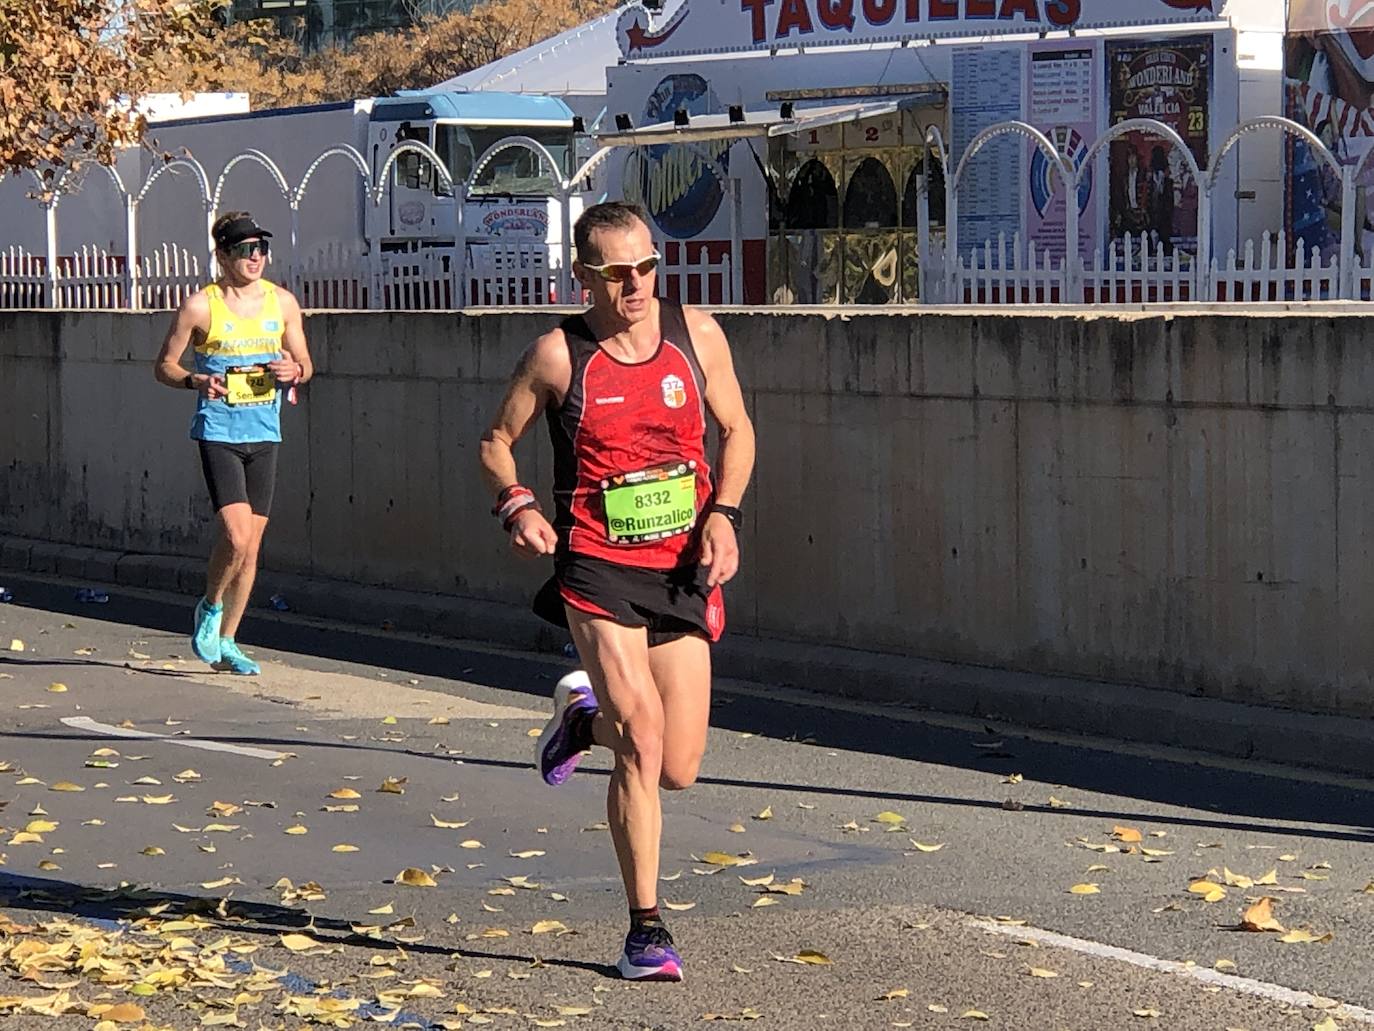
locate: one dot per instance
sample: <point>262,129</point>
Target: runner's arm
<point>193,316</point>
<point>735,463</point>
<point>542,375</point>
<point>295,366</point>
<point>542,368</point>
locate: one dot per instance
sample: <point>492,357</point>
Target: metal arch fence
<point>1137,270</point>
<point>1001,270</point>
<point>93,277</point>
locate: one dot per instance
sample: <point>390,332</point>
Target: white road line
<point>1263,989</point>
<point>86,723</point>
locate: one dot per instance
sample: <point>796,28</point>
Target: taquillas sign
<point>725,26</point>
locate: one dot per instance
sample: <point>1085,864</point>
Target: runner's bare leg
<point>682,673</point>
<point>630,724</point>
<point>241,583</point>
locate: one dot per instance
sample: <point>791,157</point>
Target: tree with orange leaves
<point>71,70</point>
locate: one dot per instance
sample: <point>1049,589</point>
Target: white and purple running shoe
<point>649,955</point>
<point>559,747</point>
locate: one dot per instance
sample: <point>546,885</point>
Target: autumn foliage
<point>67,68</point>
<point>271,67</point>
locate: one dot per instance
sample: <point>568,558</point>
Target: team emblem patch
<point>271,326</point>
<point>674,391</point>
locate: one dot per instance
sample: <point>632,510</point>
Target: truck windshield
<point>514,171</point>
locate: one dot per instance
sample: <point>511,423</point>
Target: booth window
<point>935,187</point>
<point>870,202</point>
<point>813,201</point>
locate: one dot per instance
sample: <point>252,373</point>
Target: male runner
<point>642,537</point>
<point>249,349</point>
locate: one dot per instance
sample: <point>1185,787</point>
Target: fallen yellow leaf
<point>1302,937</point>
<point>890,818</point>
<point>548,927</point>
<point>16,645</point>
<point>921,847</point>
<point>416,878</point>
<point>724,859</point>
<point>296,829</point>
<point>1084,889</point>
<point>344,848</point>
<point>679,907</point>
<point>1260,917</point>
<point>56,688</point>
<point>393,786</point>
<point>813,958</point>
<point>973,1015</point>
<point>896,993</point>
<point>765,814</point>
<point>124,1013</point>
<point>1147,1014</point>
<point>1042,972</point>
<point>65,785</point>
<point>300,942</point>
<point>448,825</point>
<point>764,900</point>
<point>1127,834</point>
<point>40,826</point>
<point>470,843</point>
<point>344,793</point>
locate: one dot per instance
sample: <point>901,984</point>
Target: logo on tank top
<point>674,391</point>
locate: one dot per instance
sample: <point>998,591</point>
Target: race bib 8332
<point>650,504</point>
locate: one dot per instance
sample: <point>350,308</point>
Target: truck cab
<point>514,198</point>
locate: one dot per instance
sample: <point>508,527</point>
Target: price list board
<point>986,89</point>
<point>1062,102</point>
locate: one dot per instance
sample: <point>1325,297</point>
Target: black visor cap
<point>237,231</point>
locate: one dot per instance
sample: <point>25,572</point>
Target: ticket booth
<point>843,218</point>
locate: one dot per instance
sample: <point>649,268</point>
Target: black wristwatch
<point>731,513</point>
<point>190,381</point>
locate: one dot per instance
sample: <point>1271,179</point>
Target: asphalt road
<point>172,856</point>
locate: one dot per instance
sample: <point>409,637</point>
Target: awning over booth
<point>760,122</point>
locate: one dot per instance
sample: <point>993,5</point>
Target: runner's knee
<point>642,737</point>
<point>679,775</point>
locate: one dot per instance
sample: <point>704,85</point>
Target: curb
<point>1329,742</point>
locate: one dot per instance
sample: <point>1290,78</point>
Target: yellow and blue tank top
<point>238,350</point>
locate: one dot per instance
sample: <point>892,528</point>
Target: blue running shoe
<point>649,955</point>
<point>234,661</point>
<point>205,631</point>
<point>560,746</point>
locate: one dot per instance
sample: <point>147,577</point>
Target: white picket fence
<point>93,278</point>
<point>705,280</point>
<point>23,279</point>
<point>1136,270</point>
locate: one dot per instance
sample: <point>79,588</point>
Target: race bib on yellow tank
<point>650,504</point>
<point>250,385</point>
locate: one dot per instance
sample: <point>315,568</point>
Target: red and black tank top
<point>629,446</point>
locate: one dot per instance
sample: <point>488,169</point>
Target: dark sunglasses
<point>619,271</point>
<point>248,249</point>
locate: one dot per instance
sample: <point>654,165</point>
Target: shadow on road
<point>126,904</point>
<point>1242,800</point>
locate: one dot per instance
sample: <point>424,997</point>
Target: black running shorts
<point>243,473</point>
<point>669,603</point>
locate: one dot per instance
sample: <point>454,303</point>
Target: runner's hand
<point>719,550</point>
<point>211,386</point>
<point>285,369</point>
<point>531,534</point>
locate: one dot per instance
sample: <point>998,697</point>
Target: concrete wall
<point>1181,501</point>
